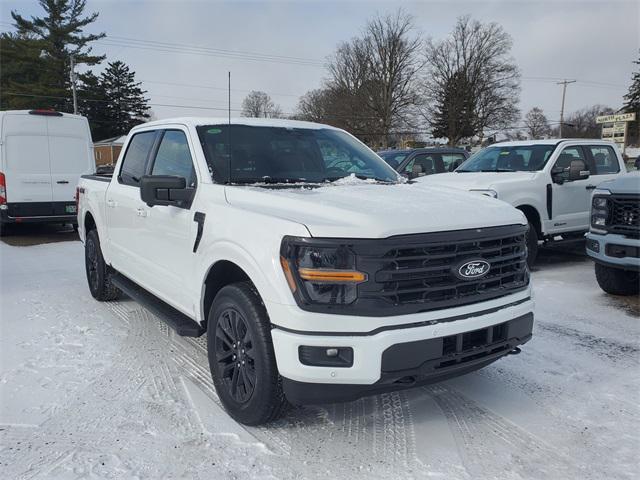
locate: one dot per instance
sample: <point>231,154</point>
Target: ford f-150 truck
<point>551,181</point>
<point>317,273</point>
<point>614,238</point>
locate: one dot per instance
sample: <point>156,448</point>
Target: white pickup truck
<point>551,181</point>
<point>317,273</point>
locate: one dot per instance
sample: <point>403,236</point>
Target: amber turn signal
<point>287,273</point>
<point>331,276</point>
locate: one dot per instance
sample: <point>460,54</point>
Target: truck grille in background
<point>625,215</point>
<point>415,273</point>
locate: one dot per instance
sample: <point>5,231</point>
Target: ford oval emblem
<point>472,269</point>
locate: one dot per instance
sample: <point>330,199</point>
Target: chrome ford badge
<point>472,269</point>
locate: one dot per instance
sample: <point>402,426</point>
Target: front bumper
<point>369,374</point>
<point>600,247</point>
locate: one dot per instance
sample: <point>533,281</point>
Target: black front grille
<point>625,215</point>
<point>417,272</point>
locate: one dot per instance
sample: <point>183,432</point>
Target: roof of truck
<point>549,141</point>
<point>254,122</point>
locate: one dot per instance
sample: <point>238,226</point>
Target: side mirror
<point>578,170</point>
<point>165,190</point>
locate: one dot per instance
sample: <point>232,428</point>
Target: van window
<point>135,158</point>
<point>174,158</point>
<point>604,159</point>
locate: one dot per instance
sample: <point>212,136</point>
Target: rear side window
<point>174,158</point>
<point>135,158</point>
<point>604,159</point>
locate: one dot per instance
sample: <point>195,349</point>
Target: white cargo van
<point>42,155</point>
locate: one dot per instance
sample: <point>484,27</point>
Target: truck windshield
<point>288,155</point>
<point>526,158</point>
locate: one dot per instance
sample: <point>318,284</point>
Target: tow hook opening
<point>515,351</point>
<point>408,380</point>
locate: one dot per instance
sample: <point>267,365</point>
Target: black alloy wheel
<point>234,354</point>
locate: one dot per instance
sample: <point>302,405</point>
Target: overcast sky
<point>593,42</point>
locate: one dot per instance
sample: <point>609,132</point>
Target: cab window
<point>135,158</point>
<point>568,155</point>
<point>605,160</point>
<point>174,157</point>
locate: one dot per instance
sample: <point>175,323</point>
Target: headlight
<point>487,192</point>
<point>600,209</point>
<point>320,271</point>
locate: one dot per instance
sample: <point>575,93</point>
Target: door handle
<point>141,212</point>
<point>590,187</point>
<point>111,203</point>
<point>62,182</point>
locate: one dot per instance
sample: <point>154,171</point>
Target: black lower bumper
<point>423,362</point>
<point>39,212</point>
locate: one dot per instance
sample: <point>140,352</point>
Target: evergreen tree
<point>453,110</point>
<point>56,36</point>
<point>124,105</point>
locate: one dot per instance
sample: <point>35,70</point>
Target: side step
<point>183,325</point>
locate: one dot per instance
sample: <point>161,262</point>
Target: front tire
<point>617,281</point>
<point>241,357</point>
<point>532,245</point>
<point>98,272</point>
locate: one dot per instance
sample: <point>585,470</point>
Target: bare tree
<point>582,123</point>
<point>374,76</point>
<point>476,56</point>
<point>536,123</point>
<point>259,104</point>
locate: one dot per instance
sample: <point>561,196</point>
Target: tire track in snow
<point>493,447</point>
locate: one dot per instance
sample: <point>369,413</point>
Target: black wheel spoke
<point>234,355</point>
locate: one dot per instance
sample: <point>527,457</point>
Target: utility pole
<point>564,91</point>
<point>72,78</point>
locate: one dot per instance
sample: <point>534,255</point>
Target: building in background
<point>106,151</point>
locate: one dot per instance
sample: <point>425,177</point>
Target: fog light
<point>593,245</point>
<point>341,357</point>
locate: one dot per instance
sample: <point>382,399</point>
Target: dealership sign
<point>619,117</point>
<point>614,127</point>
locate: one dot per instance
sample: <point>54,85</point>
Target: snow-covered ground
<point>91,390</point>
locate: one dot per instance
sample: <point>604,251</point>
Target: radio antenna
<point>229,129</point>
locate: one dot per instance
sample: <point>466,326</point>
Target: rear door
<point>603,164</point>
<point>124,208</point>
<point>26,162</point>
<point>69,157</point>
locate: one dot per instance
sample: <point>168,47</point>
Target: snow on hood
<point>475,180</point>
<point>365,210</point>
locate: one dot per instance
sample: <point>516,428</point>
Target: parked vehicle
<point>418,162</point>
<point>614,238</point>
<point>550,181</point>
<point>42,155</point>
<point>290,244</point>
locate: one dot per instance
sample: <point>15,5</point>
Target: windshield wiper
<point>271,180</point>
<point>497,170</point>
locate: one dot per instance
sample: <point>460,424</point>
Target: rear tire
<point>617,281</point>
<point>532,245</point>
<point>98,272</point>
<point>241,357</point>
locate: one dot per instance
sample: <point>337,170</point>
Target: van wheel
<point>241,357</point>
<point>532,245</point>
<point>98,272</point>
<point>617,281</point>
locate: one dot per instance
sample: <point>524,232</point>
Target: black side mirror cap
<point>165,190</point>
<point>578,170</point>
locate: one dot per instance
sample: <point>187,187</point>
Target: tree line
<point>35,64</point>
<point>384,85</point>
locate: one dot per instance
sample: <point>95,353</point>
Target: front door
<point>570,200</point>
<point>169,232</point>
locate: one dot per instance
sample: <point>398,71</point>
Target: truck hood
<point>476,180</point>
<point>376,210</point>
<point>625,184</point>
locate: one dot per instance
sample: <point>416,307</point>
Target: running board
<point>183,325</point>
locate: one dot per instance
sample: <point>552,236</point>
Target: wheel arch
<point>532,216</point>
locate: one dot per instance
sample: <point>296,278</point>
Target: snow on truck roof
<point>253,122</point>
